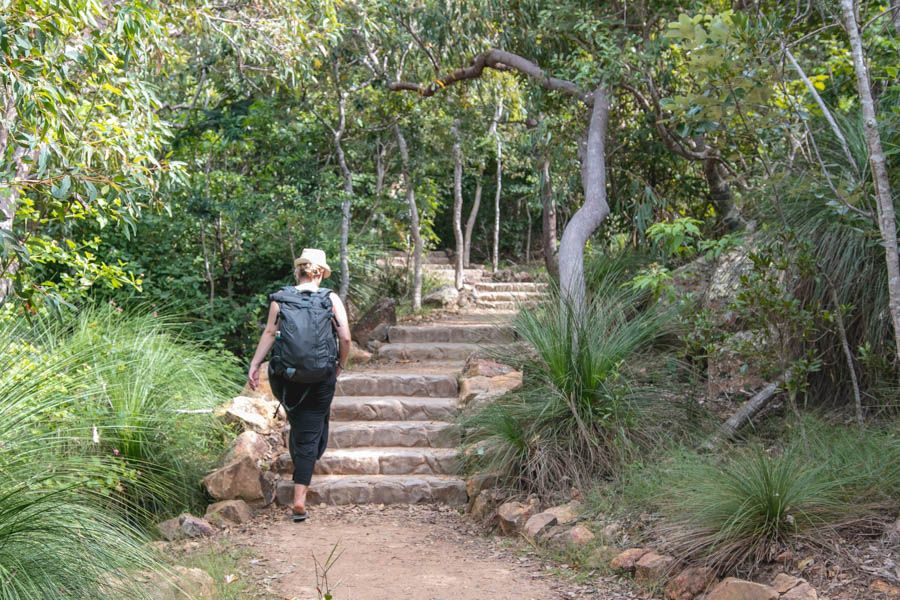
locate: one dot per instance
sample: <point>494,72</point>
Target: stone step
<point>470,334</point>
<point>397,384</point>
<point>426,351</point>
<point>508,296</point>
<point>406,434</point>
<point>387,408</point>
<point>378,489</point>
<point>447,276</point>
<point>388,461</point>
<point>504,305</point>
<point>504,286</point>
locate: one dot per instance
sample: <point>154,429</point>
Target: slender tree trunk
<point>528,234</point>
<point>9,201</point>
<point>595,209</point>
<point>886,218</point>
<point>380,170</point>
<point>548,220</point>
<point>347,197</point>
<point>457,206</point>
<point>207,265</point>
<point>413,219</point>
<point>476,202</point>
<point>496,248</point>
<point>895,9</point>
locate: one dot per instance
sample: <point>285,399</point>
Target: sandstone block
<point>484,367</point>
<point>358,356</point>
<point>580,535</point>
<point>738,589</point>
<point>185,526</point>
<point>784,582</point>
<point>627,560</point>
<point>803,591</point>
<point>283,464</point>
<point>444,297</point>
<point>241,479</point>
<point>249,443</point>
<point>513,516</point>
<point>229,511</point>
<point>536,524</point>
<point>383,313</point>
<point>252,414</point>
<point>690,583</point>
<point>480,389</point>
<point>566,513</point>
<point>652,568</point>
<point>888,590</point>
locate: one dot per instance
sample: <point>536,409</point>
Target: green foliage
<point>677,237</point>
<point>578,415</point>
<point>655,280</point>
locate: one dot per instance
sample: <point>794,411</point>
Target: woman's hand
<point>253,376</point>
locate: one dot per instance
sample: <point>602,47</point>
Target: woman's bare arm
<point>266,340</point>
<point>343,331</point>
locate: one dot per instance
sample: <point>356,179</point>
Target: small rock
<point>611,531</point>
<point>785,558</point>
<point>485,368</point>
<point>193,527</point>
<point>170,529</point>
<point>690,583</point>
<point>580,535</point>
<point>566,513</point>
<point>784,582</point>
<point>803,591</point>
<point>252,414</point>
<point>738,589</point>
<point>626,560</point>
<point>444,297</point>
<point>284,463</point>
<point>478,483</point>
<point>229,511</point>
<point>879,586</point>
<point>513,516</point>
<point>478,390</point>
<point>358,356</point>
<point>652,568</point>
<point>536,524</point>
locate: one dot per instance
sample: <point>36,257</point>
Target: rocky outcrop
<point>228,512</point>
<point>240,480</point>
<point>249,443</point>
<point>373,325</point>
<point>251,413</point>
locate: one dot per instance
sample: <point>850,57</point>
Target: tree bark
<point>548,220</point>
<point>747,411</point>
<point>347,176</point>
<point>595,209</point>
<point>886,217</point>
<point>495,255</point>
<point>895,16</point>
<point>457,206</point>
<point>413,219</point>
<point>476,202</point>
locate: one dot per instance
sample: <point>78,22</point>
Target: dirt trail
<point>410,552</point>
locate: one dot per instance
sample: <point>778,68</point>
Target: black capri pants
<point>308,407</point>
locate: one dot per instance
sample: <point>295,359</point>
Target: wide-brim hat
<point>313,256</point>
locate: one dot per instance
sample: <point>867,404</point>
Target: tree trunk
<point>528,234</point>
<point>886,217</point>
<point>347,197</point>
<point>548,220</point>
<point>594,210</point>
<point>413,219</point>
<point>457,206</point>
<point>496,249</point>
<point>720,194</point>
<point>895,9</point>
<point>747,411</point>
<point>476,202</point>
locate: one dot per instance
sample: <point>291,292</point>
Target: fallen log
<point>746,412</point>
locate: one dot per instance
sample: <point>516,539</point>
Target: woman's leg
<point>309,435</point>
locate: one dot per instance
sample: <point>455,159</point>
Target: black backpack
<point>305,347</point>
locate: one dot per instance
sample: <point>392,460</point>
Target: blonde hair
<point>307,271</point>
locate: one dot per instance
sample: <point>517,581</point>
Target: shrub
<point>578,414</point>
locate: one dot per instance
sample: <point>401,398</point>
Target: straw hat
<point>313,256</point>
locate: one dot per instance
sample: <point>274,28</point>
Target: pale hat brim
<point>303,260</point>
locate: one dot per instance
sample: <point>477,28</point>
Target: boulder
<point>358,356</point>
<point>443,297</point>
<point>182,583</point>
<point>251,414</point>
<point>284,464</point>
<point>228,511</point>
<point>185,526</point>
<point>485,368</point>
<point>784,582</point>
<point>241,479</point>
<point>652,568</point>
<point>738,589</point>
<point>249,444</point>
<point>566,513</point>
<point>803,591</point>
<point>580,535</point>
<point>690,583</point>
<point>382,313</point>
<point>537,524</point>
<point>477,484</point>
<point>478,390</point>
<point>627,560</point>
<point>484,507</point>
<point>514,515</point>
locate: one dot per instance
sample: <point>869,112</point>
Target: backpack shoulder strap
<point>285,294</point>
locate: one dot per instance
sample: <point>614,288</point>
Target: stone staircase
<point>392,437</point>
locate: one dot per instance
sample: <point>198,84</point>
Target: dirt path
<point>412,552</point>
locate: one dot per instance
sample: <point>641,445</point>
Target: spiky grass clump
<point>736,512</point>
<point>58,538</point>
<point>577,416</point>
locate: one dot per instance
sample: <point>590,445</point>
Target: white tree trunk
<point>348,195</point>
<point>413,219</point>
<point>470,222</point>
<point>496,248</point>
<point>594,210</point>
<point>886,217</point>
<point>457,206</point>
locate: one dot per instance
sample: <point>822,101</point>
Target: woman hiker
<point>308,328</point>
